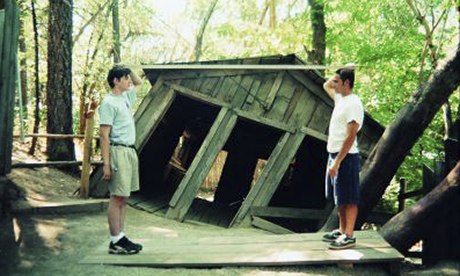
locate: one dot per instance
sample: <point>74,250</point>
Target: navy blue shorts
<point>346,184</point>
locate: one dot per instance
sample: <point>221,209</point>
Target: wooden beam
<point>198,170</point>
<point>282,212</point>
<point>151,117</point>
<point>52,164</point>
<point>269,226</point>
<point>87,149</point>
<point>238,67</point>
<point>313,133</point>
<point>9,33</point>
<point>185,91</point>
<point>53,136</point>
<point>265,121</point>
<point>182,90</point>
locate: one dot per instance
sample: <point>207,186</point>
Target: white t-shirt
<point>346,110</point>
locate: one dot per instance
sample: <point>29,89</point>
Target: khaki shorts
<point>125,171</point>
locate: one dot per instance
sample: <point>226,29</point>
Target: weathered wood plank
<point>243,91</point>
<point>229,86</point>
<point>185,91</point>
<point>303,109</point>
<point>274,90</point>
<point>212,145</point>
<point>218,86</point>
<point>274,256</point>
<point>8,70</point>
<point>193,84</point>
<point>254,88</point>
<point>169,75</point>
<point>320,118</point>
<point>282,99</point>
<point>364,237</point>
<point>209,85</point>
<point>149,97</point>
<point>313,87</point>
<point>284,212</point>
<point>147,123</point>
<point>261,94</point>
<point>264,121</point>
<point>269,226</point>
<point>257,250</point>
<point>313,133</point>
<point>227,66</point>
<point>292,104</point>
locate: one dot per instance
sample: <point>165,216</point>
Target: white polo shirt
<point>346,110</point>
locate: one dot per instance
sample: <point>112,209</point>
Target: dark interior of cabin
<point>303,185</point>
<point>175,142</point>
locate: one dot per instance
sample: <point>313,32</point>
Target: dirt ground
<point>54,244</point>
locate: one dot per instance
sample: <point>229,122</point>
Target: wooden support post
<point>402,191</point>
<point>87,148</point>
<point>151,117</point>
<point>9,33</point>
<point>269,226</point>
<point>212,145</point>
<point>270,178</point>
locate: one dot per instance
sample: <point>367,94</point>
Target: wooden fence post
<point>87,148</point>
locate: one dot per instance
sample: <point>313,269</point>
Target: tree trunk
<point>264,13</point>
<point>59,85</point>
<point>200,35</point>
<point>272,7</point>
<point>37,80</point>
<point>397,141</point>
<point>23,59</point>
<point>412,224</point>
<point>116,33</point>
<point>318,53</point>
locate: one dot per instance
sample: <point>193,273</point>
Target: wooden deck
<point>263,250</point>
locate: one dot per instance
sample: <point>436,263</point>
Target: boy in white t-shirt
<point>344,159</point>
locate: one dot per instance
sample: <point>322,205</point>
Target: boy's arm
<point>104,132</point>
<point>329,89</point>
<point>137,81</point>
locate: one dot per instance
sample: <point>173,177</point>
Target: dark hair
<point>117,72</point>
<point>346,74</point>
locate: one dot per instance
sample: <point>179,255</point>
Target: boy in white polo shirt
<point>344,159</point>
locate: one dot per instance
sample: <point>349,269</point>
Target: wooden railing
<point>87,150</point>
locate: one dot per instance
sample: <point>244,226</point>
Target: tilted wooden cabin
<point>267,108</point>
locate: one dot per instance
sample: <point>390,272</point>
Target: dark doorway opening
<point>302,186</point>
<point>166,156</point>
<point>249,146</point>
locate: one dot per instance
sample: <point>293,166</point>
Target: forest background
<point>396,44</point>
